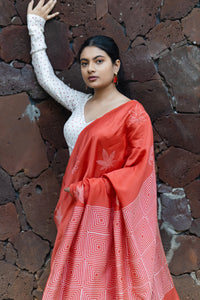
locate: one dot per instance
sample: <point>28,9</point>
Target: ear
<point>116,66</point>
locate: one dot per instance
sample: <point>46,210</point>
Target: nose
<point>91,67</point>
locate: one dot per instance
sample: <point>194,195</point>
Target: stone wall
<point>159,42</point>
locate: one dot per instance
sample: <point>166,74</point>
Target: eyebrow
<point>93,58</point>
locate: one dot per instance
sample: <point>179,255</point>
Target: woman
<point>108,244</point>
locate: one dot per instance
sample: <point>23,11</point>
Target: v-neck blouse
<point>75,124</point>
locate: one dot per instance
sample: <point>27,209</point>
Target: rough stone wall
<point>159,42</point>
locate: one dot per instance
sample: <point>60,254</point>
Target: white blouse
<point>71,99</point>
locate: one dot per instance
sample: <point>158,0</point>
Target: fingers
<point>30,7</point>
<point>52,16</point>
<point>40,3</point>
<point>49,5</point>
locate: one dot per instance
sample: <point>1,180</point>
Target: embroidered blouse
<point>71,99</point>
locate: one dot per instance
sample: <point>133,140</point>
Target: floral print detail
<point>151,156</point>
<point>79,193</point>
<point>58,215</point>
<point>138,115</point>
<point>76,166</point>
<point>107,161</point>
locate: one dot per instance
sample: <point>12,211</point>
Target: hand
<point>68,190</point>
<point>42,10</point>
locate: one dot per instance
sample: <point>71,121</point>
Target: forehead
<point>90,52</point>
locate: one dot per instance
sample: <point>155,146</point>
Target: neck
<point>105,93</point>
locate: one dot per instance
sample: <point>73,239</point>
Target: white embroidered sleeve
<point>55,87</point>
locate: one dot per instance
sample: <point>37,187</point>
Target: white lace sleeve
<point>55,87</point>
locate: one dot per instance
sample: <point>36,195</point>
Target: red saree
<point>108,244</point>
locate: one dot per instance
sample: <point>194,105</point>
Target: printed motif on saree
<point>108,244</point>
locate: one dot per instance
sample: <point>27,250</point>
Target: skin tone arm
<point>43,10</point>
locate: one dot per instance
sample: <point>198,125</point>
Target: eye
<point>99,61</point>
<point>84,64</point>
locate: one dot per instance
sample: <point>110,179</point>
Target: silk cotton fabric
<point>108,244</point>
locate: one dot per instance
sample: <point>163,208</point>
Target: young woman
<point>108,244</point>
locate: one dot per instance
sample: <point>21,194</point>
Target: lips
<point>92,78</point>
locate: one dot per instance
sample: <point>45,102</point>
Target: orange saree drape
<point>108,244</point>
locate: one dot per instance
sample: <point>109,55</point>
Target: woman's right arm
<point>55,87</point>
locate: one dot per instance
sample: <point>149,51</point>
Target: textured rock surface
<point>29,151</point>
<point>178,167</point>
<point>7,193</point>
<point>39,199</point>
<point>184,61</point>
<point>15,44</point>
<point>186,258</point>
<point>175,210</point>
<point>8,11</point>
<point>54,114</point>
<point>180,130</point>
<point>153,96</point>
<point>9,224</point>
<point>191,25</point>
<point>31,249</point>
<point>186,287</point>
<point>177,9</point>
<point>193,193</point>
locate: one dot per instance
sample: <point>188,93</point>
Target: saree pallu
<point>108,244</point>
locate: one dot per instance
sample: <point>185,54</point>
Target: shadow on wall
<point>159,43</point>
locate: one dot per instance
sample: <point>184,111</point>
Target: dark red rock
<point>73,78</point>
<point>180,68</point>
<point>11,254</point>
<point>76,12</point>
<point>44,276</point>
<point>153,96</point>
<point>8,11</point>
<point>186,287</point>
<point>31,85</point>
<point>23,147</point>
<point>193,194</point>
<point>110,27</point>
<point>180,130</point>
<point>21,287</point>
<point>9,224</point>
<point>57,33</point>
<point>15,44</point>
<point>31,250</point>
<point>191,24</point>
<point>7,193</point>
<point>16,21</point>
<point>101,8</point>
<point>133,14</point>
<point>138,64</point>
<point>60,162</point>
<point>10,80</point>
<point>176,9</point>
<point>162,36</point>
<point>39,200</point>
<point>186,258</point>
<point>18,65</point>
<point>21,216</point>
<point>178,167</point>
<point>195,228</point>
<point>175,210</point>
<point>2,251</point>
<point>51,122</point>
<point>19,180</point>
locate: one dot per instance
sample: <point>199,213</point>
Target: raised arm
<point>55,87</point>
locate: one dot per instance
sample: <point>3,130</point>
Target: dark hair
<point>108,45</point>
<point>104,43</point>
